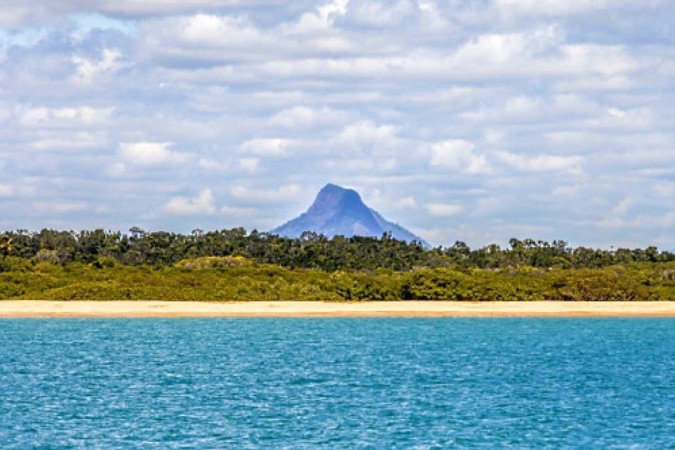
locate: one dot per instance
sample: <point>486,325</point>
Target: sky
<point>472,120</point>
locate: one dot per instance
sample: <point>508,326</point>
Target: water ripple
<point>337,383</point>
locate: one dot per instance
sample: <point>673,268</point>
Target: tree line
<point>310,251</point>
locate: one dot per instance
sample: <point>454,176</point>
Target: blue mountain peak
<point>340,211</point>
<point>334,196</point>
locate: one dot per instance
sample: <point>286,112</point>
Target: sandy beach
<point>29,308</point>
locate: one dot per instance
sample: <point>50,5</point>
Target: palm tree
<point>6,246</point>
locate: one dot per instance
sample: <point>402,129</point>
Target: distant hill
<point>340,211</point>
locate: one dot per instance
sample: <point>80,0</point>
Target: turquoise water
<point>337,383</point>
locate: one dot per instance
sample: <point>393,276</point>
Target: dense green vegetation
<point>236,265</point>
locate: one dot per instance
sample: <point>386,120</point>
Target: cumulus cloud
<point>201,204</point>
<point>381,14</point>
<point>444,210</point>
<point>6,190</point>
<point>59,207</point>
<point>72,115</point>
<point>616,118</point>
<point>238,212</point>
<point>266,147</point>
<point>207,29</point>
<point>283,193</point>
<point>212,164</point>
<point>86,69</point>
<point>151,154</point>
<point>249,165</point>
<point>405,202</point>
<point>68,142</point>
<point>144,7</point>
<point>542,163</point>
<point>17,13</point>
<point>367,136</point>
<point>322,18</point>
<point>554,7</point>
<point>303,117</point>
<point>459,155</point>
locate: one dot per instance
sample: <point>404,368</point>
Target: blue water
<point>337,383</point>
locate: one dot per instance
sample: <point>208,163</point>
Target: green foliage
<point>615,284</point>
<point>47,256</point>
<point>213,280</point>
<point>311,251</point>
<point>104,262</point>
<point>478,285</point>
<point>214,262</point>
<point>236,265</point>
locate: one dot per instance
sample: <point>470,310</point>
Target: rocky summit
<point>339,211</point>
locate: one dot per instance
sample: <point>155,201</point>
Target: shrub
<point>214,262</point>
<point>104,262</point>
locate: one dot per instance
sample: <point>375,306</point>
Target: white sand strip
<point>30,308</point>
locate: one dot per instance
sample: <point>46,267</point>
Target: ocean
<point>337,383</point>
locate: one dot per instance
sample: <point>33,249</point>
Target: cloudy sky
<point>472,120</point>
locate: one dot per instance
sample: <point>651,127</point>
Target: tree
<point>6,246</point>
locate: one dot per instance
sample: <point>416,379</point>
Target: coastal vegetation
<point>237,265</point>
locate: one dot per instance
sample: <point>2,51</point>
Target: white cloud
<point>17,13</point>
<point>59,207</point>
<point>367,132</point>
<point>519,108</point>
<point>155,7</point>
<point>283,193</point>
<point>542,163</point>
<point>381,14</point>
<point>322,19</point>
<point>365,135</point>
<point>266,147</point>
<point>432,15</point>
<point>664,221</point>
<point>115,169</point>
<point>622,208</point>
<point>237,212</point>
<point>86,69</point>
<point>459,155</point>
<point>302,117</point>
<point>6,190</point>
<point>444,210</point>
<point>566,191</point>
<point>223,31</point>
<point>353,165</point>
<point>553,7</point>
<point>249,165</point>
<point>229,38</point>
<point>616,118</point>
<point>217,165</point>
<point>68,142</point>
<point>330,10</point>
<point>151,154</point>
<point>78,115</point>
<point>496,56</point>
<point>405,202</point>
<point>665,189</point>
<point>201,205</point>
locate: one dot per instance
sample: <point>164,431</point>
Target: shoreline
<point>160,309</point>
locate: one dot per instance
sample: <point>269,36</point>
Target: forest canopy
<point>237,265</point>
<point>310,251</point>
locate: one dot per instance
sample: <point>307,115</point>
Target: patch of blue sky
<point>85,23</point>
<point>25,37</point>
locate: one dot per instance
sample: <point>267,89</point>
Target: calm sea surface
<point>337,383</point>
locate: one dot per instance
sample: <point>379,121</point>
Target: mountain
<point>340,211</point>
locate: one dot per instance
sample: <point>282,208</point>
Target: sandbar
<point>34,308</point>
